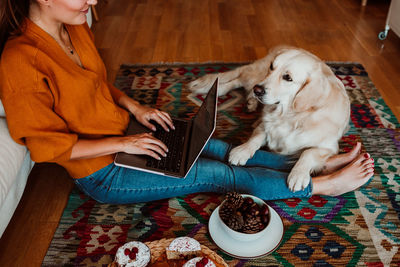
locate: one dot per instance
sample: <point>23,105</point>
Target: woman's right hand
<point>144,144</point>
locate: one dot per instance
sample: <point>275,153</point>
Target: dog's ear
<point>314,92</point>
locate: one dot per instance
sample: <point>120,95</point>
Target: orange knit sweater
<point>51,102</point>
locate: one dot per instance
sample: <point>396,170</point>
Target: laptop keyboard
<point>174,140</point>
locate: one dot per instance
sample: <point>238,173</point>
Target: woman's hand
<point>141,144</point>
<point>144,144</point>
<point>144,114</point>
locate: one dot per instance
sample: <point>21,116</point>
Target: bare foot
<point>349,178</point>
<point>336,162</point>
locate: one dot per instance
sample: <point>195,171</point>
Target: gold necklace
<point>70,49</point>
<point>62,44</point>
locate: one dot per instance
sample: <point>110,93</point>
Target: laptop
<point>185,143</point>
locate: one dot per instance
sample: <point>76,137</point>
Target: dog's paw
<point>239,155</point>
<point>201,85</point>
<point>252,104</point>
<point>298,180</point>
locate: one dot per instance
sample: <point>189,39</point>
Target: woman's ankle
<point>322,185</point>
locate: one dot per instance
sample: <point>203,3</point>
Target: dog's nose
<point>258,90</point>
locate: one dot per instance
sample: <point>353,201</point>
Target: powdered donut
<point>133,254</point>
<point>182,248</point>
<point>199,262</point>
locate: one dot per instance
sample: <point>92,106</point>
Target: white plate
<point>247,249</point>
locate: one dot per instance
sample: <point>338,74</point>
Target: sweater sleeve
<point>115,92</point>
<point>28,103</point>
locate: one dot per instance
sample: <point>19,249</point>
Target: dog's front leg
<point>239,155</point>
<point>310,160</point>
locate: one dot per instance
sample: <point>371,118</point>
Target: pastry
<point>199,262</point>
<point>133,254</point>
<point>183,248</point>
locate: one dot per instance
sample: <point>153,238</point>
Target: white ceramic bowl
<point>244,236</point>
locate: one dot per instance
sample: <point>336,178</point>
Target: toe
<point>360,159</point>
<point>356,149</point>
<point>368,161</point>
<point>369,171</point>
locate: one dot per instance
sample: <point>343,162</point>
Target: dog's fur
<point>306,108</point>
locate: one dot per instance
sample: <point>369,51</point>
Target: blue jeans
<point>264,175</point>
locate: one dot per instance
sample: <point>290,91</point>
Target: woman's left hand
<point>145,114</point>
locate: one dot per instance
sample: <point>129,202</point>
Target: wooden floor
<point>152,31</point>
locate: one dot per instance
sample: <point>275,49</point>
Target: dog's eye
<point>271,67</point>
<point>287,77</point>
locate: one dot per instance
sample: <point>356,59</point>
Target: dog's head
<point>296,79</point>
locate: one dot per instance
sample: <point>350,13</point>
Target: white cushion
<point>10,203</point>
<point>11,158</point>
<point>15,165</point>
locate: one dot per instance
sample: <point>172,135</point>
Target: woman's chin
<point>79,20</point>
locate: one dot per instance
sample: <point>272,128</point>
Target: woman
<point>59,104</point>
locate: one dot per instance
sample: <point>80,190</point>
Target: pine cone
<point>226,211</point>
<point>235,222</point>
<point>234,198</point>
<point>252,224</point>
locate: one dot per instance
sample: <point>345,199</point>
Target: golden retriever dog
<point>306,108</point>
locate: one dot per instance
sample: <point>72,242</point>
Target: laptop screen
<point>203,125</point>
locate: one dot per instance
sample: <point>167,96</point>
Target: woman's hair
<point>12,14</point>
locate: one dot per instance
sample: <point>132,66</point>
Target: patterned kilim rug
<point>358,228</point>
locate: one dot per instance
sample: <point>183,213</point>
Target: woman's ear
<point>314,92</point>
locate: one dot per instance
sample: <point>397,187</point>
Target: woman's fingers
<point>146,115</point>
<point>161,122</point>
<point>149,125</point>
<point>167,118</point>
<point>151,148</point>
<point>146,144</point>
<point>163,119</point>
<point>152,142</point>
